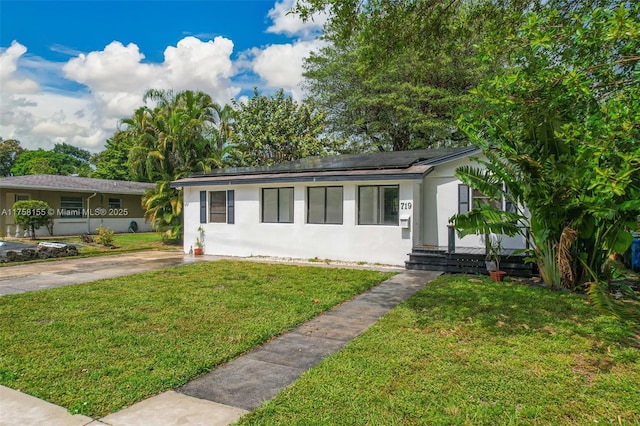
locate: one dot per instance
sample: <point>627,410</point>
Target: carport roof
<point>74,184</point>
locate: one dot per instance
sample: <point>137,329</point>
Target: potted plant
<point>494,255</point>
<point>199,249</point>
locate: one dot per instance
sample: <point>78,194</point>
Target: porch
<point>469,260</point>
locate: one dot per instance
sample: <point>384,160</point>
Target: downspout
<point>89,212</point>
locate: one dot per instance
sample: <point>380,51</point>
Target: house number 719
<point>406,206</point>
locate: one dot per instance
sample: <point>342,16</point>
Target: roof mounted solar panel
<point>369,161</point>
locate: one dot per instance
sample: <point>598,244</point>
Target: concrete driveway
<point>39,276</point>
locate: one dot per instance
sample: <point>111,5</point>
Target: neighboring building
<point>80,205</point>
<point>360,207</point>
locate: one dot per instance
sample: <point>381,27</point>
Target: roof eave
<point>418,173</point>
<point>75,190</point>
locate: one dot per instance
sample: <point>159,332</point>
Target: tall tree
<point>48,162</point>
<point>73,151</point>
<point>393,72</point>
<point>271,130</point>
<point>559,125</point>
<point>179,135</point>
<point>81,157</point>
<point>10,149</point>
<point>113,162</point>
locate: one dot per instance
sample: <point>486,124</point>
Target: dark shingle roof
<point>74,184</point>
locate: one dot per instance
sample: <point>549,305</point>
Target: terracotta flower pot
<point>198,251</point>
<point>497,275</point>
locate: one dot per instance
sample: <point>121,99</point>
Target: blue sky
<point>69,70</point>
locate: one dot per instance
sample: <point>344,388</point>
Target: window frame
<point>278,203</point>
<point>380,201</point>
<point>64,208</point>
<point>111,202</point>
<point>478,197</point>
<point>464,199</point>
<point>472,198</point>
<point>325,204</point>
<point>222,213</point>
<point>230,206</point>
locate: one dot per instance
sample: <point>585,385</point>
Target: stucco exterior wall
<point>388,244</point>
<point>116,219</point>
<point>440,194</point>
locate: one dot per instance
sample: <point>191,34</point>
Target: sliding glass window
<point>277,205</point>
<point>378,205</point>
<point>324,204</point>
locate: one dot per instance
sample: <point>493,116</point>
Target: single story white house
<point>372,208</point>
<point>79,204</point>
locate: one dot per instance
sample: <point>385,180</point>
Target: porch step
<point>428,250</point>
<point>434,259</point>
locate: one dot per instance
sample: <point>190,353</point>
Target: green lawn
<point>98,347</point>
<point>463,352</point>
<point>123,243</point>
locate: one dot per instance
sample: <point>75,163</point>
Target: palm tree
<point>183,133</point>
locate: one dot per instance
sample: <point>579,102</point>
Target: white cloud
<point>281,65</point>
<point>206,66</point>
<point>113,69</point>
<point>116,79</point>
<point>291,24</point>
<point>10,80</point>
<point>38,108</point>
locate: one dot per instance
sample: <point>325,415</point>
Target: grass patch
<point>462,352</point>
<point>123,243</point>
<point>95,348</point>
<point>127,243</point>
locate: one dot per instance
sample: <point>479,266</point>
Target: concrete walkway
<point>225,394</point>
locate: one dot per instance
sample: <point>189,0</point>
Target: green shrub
<point>32,214</point>
<point>105,236</point>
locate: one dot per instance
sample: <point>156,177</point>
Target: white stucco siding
<point>83,226</point>
<point>440,202</point>
<point>248,236</point>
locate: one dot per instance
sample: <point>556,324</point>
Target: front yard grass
<point>464,352</point>
<point>95,348</point>
<point>123,243</point>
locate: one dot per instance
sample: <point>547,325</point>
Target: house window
<point>218,206</point>
<point>509,206</point>
<point>463,198</point>
<point>324,204</point>
<point>277,205</point>
<point>221,206</point>
<point>378,205</point>
<point>21,197</point>
<point>71,206</point>
<point>478,198</point>
<point>115,203</point>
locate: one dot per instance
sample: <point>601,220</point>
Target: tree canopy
<point>559,124</point>
<point>269,130</point>
<point>10,149</point>
<point>393,72</point>
<point>177,135</point>
<point>56,162</point>
<point>113,161</point>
